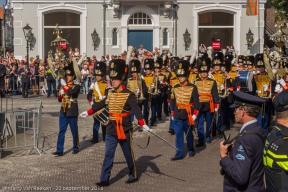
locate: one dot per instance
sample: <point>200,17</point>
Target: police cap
<point>244,99</point>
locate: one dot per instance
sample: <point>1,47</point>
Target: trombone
<point>139,84</point>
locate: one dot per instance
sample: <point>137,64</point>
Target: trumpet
<point>155,81</point>
<point>139,83</point>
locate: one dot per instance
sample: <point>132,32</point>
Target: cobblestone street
<point>155,169</point>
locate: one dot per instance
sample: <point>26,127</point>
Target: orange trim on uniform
<point>188,110</point>
<point>65,88</point>
<point>231,89</point>
<point>119,125</point>
<point>210,99</point>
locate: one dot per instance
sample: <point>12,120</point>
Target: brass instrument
<point>155,81</point>
<point>139,83</point>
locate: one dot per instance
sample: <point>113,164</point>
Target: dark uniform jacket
<point>207,86</point>
<point>69,105</point>
<point>179,96</point>
<point>122,102</point>
<point>24,77</point>
<point>244,168</point>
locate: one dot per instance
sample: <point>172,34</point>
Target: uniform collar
<point>184,84</point>
<point>283,129</point>
<point>247,123</point>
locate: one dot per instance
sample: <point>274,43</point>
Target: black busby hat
<point>148,64</point>
<point>259,62</point>
<point>135,66</point>
<point>194,64</point>
<point>229,56</point>
<point>218,58</point>
<point>182,69</point>
<point>203,54</point>
<point>204,64</point>
<point>158,63</point>
<point>71,69</point>
<point>250,60</point>
<point>99,68</point>
<point>118,69</point>
<point>241,58</point>
<point>228,65</point>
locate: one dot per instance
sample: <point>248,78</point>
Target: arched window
<point>165,37</point>
<point>216,24</point>
<point>140,19</point>
<point>114,37</point>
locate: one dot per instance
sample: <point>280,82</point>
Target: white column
<point>156,37</point>
<point>124,37</point>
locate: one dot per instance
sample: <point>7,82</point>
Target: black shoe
<point>94,141</point>
<point>192,154</point>
<point>175,159</point>
<point>219,132</point>
<point>172,132</point>
<point>131,181</point>
<point>199,145</point>
<point>57,153</point>
<point>167,114</point>
<point>48,95</point>
<point>75,152</point>
<point>208,142</point>
<point>213,134</point>
<point>159,118</point>
<point>152,124</point>
<point>103,183</point>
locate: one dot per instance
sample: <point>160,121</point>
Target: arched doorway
<point>68,21</point>
<point>140,30</point>
<point>216,24</point>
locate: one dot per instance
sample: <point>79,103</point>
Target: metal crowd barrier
<point>20,123</point>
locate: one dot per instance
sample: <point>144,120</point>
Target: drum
<point>102,116</point>
<point>246,78</point>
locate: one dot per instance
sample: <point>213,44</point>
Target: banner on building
<point>252,7</point>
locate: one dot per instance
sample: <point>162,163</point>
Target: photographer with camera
<point>202,48</point>
<point>243,170</point>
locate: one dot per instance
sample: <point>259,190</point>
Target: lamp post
<point>186,37</point>
<point>27,30</point>
<point>249,38</point>
<point>94,36</point>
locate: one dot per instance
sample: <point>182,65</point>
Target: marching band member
<point>209,100</point>
<point>69,109</point>
<point>96,94</point>
<point>282,82</point>
<point>120,102</point>
<point>193,75</point>
<point>263,86</point>
<point>184,109</point>
<point>163,84</point>
<point>165,89</point>
<point>133,84</point>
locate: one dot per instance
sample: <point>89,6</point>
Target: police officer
<point>96,93</point>
<point>69,108</point>
<point>243,169</point>
<point>184,109</point>
<point>120,102</point>
<point>275,151</point>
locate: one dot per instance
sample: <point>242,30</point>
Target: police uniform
<point>244,167</point>
<point>136,84</point>
<point>120,102</point>
<point>208,98</point>
<point>24,74</point>
<point>263,85</point>
<point>184,109</point>
<point>68,111</point>
<point>97,93</point>
<point>162,88</point>
<point>275,156</point>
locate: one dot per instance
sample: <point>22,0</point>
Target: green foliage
<point>281,8</point>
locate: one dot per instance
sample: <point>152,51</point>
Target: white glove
<point>63,82</point>
<point>254,72</point>
<point>161,82</point>
<point>62,92</point>
<point>194,117</point>
<point>258,72</point>
<point>277,88</point>
<point>76,81</point>
<point>265,87</point>
<point>91,86</point>
<point>146,128</point>
<point>282,82</point>
<point>216,109</point>
<point>222,87</point>
<point>83,114</point>
<point>137,90</point>
<point>91,103</point>
<point>152,86</point>
<point>172,118</point>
